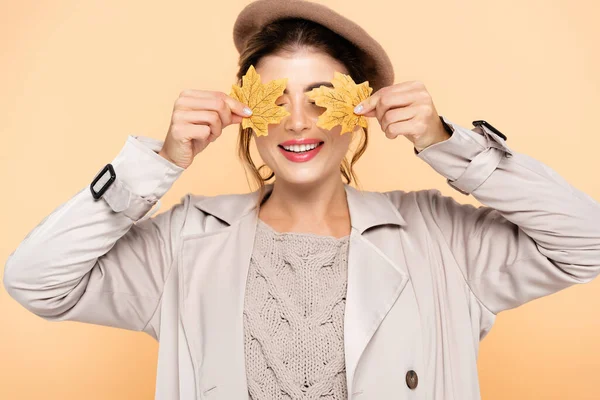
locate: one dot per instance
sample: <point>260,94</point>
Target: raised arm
<point>97,261</point>
<point>535,233</point>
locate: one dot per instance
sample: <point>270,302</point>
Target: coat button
<point>412,380</point>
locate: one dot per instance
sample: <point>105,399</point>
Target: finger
<point>368,105</point>
<point>233,105</point>
<point>212,103</point>
<point>237,107</point>
<point>397,128</point>
<point>196,132</point>
<point>401,128</point>
<point>236,119</point>
<point>197,93</point>
<point>397,115</point>
<point>369,114</point>
<point>203,117</point>
<point>393,100</point>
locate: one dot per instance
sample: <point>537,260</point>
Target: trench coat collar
<point>377,276</point>
<point>366,208</point>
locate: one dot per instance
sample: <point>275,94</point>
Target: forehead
<point>300,68</point>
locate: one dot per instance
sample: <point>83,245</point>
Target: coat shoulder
<point>432,206</point>
<point>408,201</point>
<point>210,212</point>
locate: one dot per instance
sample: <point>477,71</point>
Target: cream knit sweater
<point>294,314</point>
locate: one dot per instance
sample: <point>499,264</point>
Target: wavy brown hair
<point>285,36</point>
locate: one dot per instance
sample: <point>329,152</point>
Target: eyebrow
<point>312,86</point>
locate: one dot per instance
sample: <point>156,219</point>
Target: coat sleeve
<point>535,233</point>
<point>99,261</point>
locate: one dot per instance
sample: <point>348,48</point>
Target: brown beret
<point>261,12</point>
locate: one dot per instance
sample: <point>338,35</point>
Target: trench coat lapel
<point>214,270</point>
<point>376,271</point>
<point>377,275</point>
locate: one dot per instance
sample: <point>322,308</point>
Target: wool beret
<point>257,14</point>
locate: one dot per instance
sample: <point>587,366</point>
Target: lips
<point>303,156</point>
<point>300,141</point>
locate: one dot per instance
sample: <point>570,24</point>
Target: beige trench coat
<point>426,275</point>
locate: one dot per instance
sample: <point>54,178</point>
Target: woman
<point>307,287</point>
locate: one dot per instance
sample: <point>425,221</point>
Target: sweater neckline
<point>302,234</point>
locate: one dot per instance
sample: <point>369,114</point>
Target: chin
<point>303,178</point>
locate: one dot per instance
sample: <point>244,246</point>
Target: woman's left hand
<point>406,109</point>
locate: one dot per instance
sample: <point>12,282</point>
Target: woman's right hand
<point>197,120</point>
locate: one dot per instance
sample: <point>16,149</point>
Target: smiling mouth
<point>302,148</point>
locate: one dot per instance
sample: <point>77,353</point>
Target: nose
<point>299,119</point>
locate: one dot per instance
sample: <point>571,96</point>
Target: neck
<point>320,207</point>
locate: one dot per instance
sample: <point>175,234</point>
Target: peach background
<point>78,77</point>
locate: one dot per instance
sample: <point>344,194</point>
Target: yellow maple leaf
<point>340,102</point>
<point>261,100</point>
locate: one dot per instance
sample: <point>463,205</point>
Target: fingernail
<point>247,111</point>
<point>358,108</point>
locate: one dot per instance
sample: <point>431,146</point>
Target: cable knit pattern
<point>294,316</point>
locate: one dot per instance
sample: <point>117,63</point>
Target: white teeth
<point>298,148</point>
